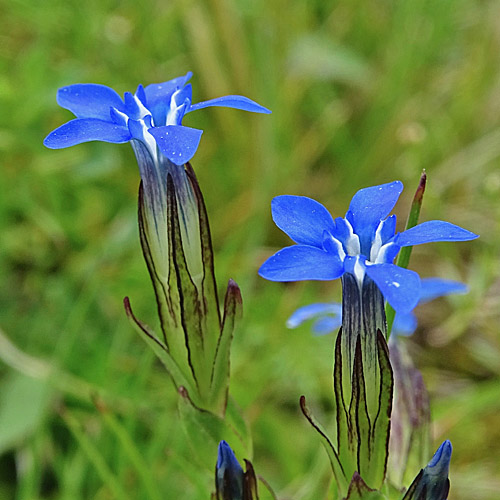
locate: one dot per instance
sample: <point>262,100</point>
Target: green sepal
<point>358,490</point>
<point>381,427</point>
<point>187,297</point>
<point>219,383</point>
<point>346,446</point>
<point>404,255</point>
<point>360,426</point>
<point>363,440</point>
<point>168,309</point>
<point>193,334</point>
<point>210,302</point>
<point>337,465</point>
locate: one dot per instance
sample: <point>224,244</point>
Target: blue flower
<point>153,115</point>
<point>432,482</point>
<point>328,316</point>
<point>229,474</point>
<point>363,243</point>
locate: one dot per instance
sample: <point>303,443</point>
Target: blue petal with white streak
<point>363,243</point>
<point>102,115</point>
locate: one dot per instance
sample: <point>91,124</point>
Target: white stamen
<point>339,246</point>
<point>376,242</point>
<point>174,109</point>
<point>122,115</point>
<point>352,244</point>
<point>380,258</point>
<point>359,272</point>
<point>143,111</point>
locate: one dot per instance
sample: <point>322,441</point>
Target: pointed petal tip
<point>442,456</point>
<point>231,101</point>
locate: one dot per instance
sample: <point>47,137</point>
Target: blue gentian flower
<point>229,474</point>
<point>432,483</point>
<point>363,243</point>
<point>327,317</point>
<point>153,115</point>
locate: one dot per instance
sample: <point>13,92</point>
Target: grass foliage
<point>361,93</point>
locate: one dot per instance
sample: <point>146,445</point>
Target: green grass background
<point>361,93</point>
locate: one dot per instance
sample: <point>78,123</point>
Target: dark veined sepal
<point>358,490</point>
<point>432,482</point>
<point>362,441</point>
<point>195,343</point>
<point>219,381</point>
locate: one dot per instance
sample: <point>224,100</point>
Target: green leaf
<point>404,255</point>
<point>23,403</point>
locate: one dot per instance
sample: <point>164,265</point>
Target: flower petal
<point>311,311</point>
<point>302,218</point>
<point>301,262</point>
<point>404,323</point>
<point>89,100</point>
<point>327,325</point>
<point>231,101</point>
<point>434,230</point>
<point>158,97</point>
<point>400,287</point>
<point>84,130</point>
<point>161,91</point>
<point>177,143</point>
<point>432,288</point>
<point>370,205</point>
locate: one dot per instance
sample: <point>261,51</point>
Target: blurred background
<point>362,93</point>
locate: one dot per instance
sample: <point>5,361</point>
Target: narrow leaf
<point>404,255</point>
<point>337,466</point>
